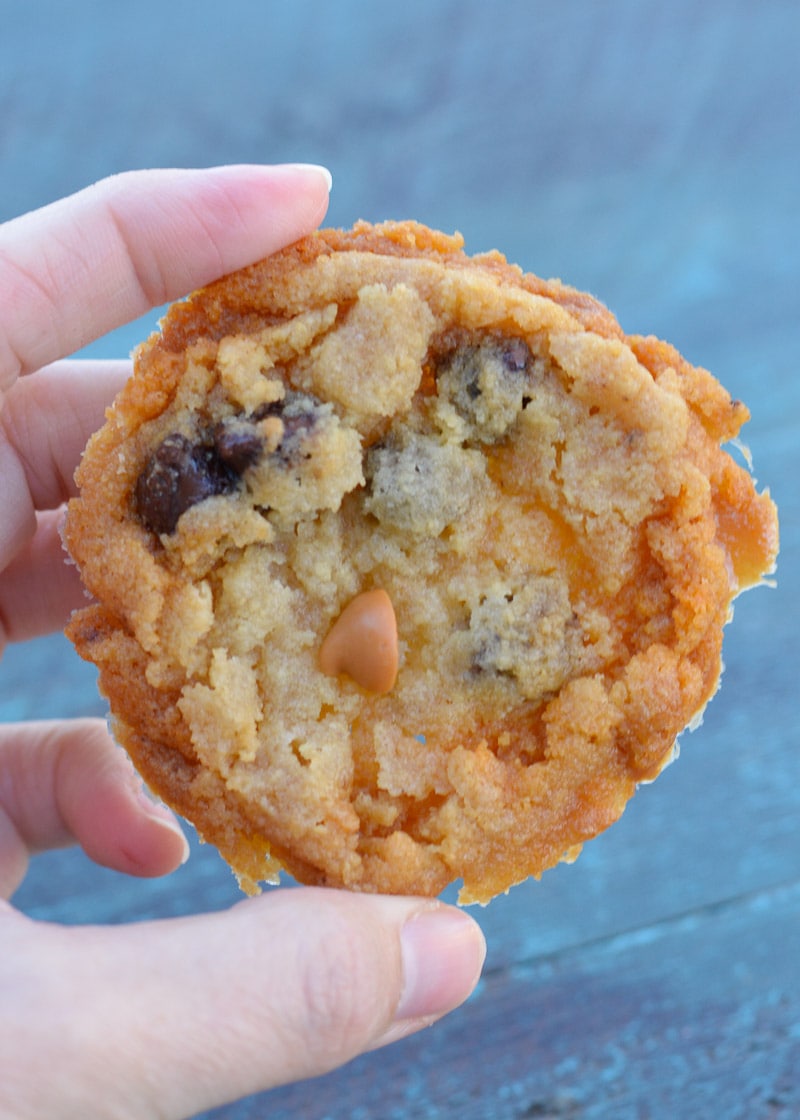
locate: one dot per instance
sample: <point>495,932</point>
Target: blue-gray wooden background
<point>648,151</point>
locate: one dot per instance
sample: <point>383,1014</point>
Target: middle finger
<point>40,588</point>
<point>49,416</point>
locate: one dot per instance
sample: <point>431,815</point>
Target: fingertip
<point>141,836</point>
<point>225,218</point>
<point>111,815</point>
<point>439,952</point>
<point>272,193</point>
<point>279,202</point>
<point>158,846</point>
<point>443,950</point>
<point>314,171</point>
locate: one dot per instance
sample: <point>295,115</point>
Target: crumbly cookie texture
<point>372,417</point>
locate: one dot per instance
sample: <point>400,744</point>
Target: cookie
<point>407,566</point>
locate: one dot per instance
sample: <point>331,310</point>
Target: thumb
<point>174,1017</point>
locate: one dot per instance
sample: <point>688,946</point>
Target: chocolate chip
<point>182,472</point>
<point>516,355</point>
<point>420,486</point>
<point>485,378</point>
<point>299,413</point>
<point>529,633</point>
<point>177,476</point>
<point>238,444</point>
<point>471,384</point>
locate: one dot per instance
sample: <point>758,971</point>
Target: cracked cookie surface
<point>372,416</point>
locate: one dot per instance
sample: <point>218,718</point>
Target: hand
<point>163,1018</point>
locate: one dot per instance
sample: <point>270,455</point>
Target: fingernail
<point>443,951</point>
<point>316,168</point>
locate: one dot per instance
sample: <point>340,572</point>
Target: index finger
<point>82,266</point>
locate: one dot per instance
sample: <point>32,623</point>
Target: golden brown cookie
<point>408,567</point>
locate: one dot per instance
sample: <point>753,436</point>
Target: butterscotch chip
<point>542,500</point>
<point>362,643</point>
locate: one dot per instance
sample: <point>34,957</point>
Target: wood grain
<point>649,152</point>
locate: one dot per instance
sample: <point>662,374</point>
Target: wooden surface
<point>651,153</point>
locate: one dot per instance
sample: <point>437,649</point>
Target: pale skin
<point>159,1019</point>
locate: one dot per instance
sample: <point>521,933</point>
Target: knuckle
<point>348,988</point>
